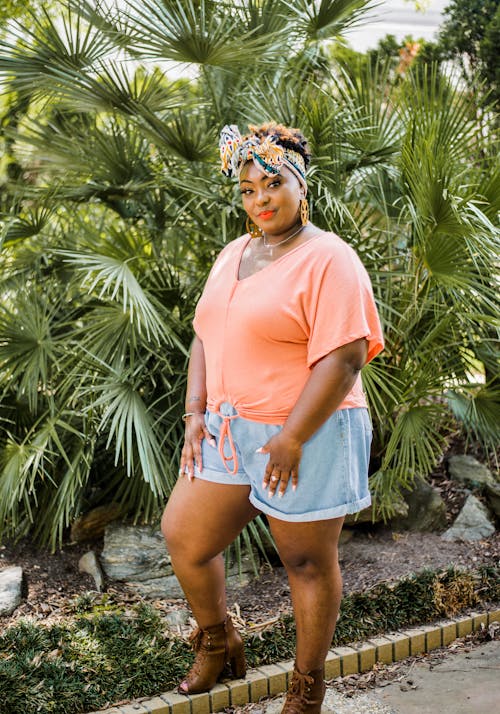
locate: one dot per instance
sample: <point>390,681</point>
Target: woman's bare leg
<point>201,519</point>
<point>309,553</point>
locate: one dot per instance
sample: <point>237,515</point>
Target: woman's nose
<point>262,197</point>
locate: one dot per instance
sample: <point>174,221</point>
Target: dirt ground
<point>373,554</point>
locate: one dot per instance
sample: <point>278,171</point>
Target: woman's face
<point>272,202</point>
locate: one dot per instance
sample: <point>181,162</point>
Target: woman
<point>276,419</point>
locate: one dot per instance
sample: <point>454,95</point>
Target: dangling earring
<point>304,211</point>
<point>253,229</point>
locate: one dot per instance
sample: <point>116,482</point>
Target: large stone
<point>167,588</point>
<point>472,523</point>
<point>426,509</point>
<point>469,471</point>
<point>11,583</point>
<point>177,618</point>
<point>89,564</point>
<point>492,492</point>
<point>137,555</point>
<point>92,524</point>
<point>134,553</point>
<point>366,515</point>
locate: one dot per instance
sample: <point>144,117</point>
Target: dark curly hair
<point>285,136</point>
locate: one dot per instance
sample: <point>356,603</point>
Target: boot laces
<point>297,695</point>
<point>200,640</point>
<point>196,639</point>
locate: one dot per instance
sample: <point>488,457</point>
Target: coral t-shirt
<point>263,334</point>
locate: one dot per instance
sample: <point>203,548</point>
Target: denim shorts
<point>333,471</point>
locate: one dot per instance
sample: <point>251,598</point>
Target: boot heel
<point>238,664</point>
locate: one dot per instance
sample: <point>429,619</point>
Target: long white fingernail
<point>259,450</point>
<point>212,442</point>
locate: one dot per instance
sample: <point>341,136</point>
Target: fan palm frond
<point>130,424</point>
<point>478,408</point>
<point>328,18</point>
<point>33,58</point>
<point>112,277</point>
<point>202,33</point>
<point>27,223</point>
<point>28,346</point>
<point>416,443</point>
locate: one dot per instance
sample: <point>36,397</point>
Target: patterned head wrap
<point>266,153</point>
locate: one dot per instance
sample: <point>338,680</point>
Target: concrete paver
<point>464,683</point>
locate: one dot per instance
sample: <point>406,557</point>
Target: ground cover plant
<point>108,652</point>
<point>112,210</point>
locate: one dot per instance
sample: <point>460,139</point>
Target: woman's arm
<point>196,401</point>
<point>331,379</point>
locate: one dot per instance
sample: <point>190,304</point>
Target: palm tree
<point>113,210</point>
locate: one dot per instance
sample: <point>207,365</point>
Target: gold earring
<point>253,229</point>
<point>304,211</point>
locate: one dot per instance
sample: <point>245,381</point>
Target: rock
<point>492,492</point>
<point>134,553</point>
<point>88,563</point>
<point>366,515</point>
<point>11,583</point>
<point>177,618</point>
<point>238,574</point>
<point>157,588</point>
<point>426,509</point>
<point>472,523</point>
<point>346,534</point>
<point>469,471</point>
<point>92,524</point>
<point>137,555</point>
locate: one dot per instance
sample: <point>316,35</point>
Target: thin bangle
<point>188,414</point>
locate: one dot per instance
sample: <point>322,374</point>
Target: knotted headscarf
<point>266,153</point>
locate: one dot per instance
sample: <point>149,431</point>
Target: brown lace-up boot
<point>215,647</point>
<point>305,693</point>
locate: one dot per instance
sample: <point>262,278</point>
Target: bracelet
<point>188,414</point>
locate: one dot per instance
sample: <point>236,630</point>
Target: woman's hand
<point>196,431</point>
<point>284,458</point>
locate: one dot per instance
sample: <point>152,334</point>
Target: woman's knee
<point>174,534</point>
<point>193,552</point>
<point>309,564</point>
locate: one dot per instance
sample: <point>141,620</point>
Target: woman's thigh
<point>310,543</point>
<point>202,518</point>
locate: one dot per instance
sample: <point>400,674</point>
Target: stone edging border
<point>272,679</point>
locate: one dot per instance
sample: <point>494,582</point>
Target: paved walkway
<point>463,683</point>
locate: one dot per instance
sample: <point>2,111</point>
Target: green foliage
<point>16,9</point>
<point>79,666</point>
<point>470,33</point>
<point>112,210</point>
<point>106,653</point>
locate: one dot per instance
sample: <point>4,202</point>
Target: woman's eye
<point>246,191</point>
<point>274,184</point>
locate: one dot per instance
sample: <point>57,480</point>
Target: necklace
<point>281,242</point>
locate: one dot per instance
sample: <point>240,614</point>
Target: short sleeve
<point>340,307</point>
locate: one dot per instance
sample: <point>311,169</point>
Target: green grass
<point>106,652</point>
